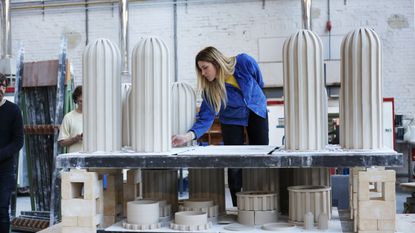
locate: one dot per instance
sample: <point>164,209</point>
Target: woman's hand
<point>181,139</point>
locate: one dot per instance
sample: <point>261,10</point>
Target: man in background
<point>11,141</point>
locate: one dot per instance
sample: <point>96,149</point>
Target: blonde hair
<point>214,92</point>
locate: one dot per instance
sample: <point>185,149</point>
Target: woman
<point>231,88</point>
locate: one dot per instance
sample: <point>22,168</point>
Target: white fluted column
<point>126,113</point>
<point>305,97</point>
<point>151,116</point>
<point>184,107</point>
<point>101,97</point>
<point>361,121</point>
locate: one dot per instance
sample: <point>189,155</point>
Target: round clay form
<point>143,212</point>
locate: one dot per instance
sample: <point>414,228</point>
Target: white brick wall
<point>233,27</point>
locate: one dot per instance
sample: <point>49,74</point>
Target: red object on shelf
<point>329,25</point>
<point>10,90</point>
<point>413,154</point>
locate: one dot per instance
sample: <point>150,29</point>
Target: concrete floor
<point>23,204</point>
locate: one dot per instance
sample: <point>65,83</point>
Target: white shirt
<point>71,126</point>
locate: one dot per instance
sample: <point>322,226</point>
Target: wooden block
<point>79,229</point>
<point>367,224</point>
<point>90,221</point>
<point>374,209</point>
<point>69,221</point>
<point>386,225</point>
<point>78,207</point>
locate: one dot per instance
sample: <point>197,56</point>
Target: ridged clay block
<point>305,97</point>
<point>212,211</point>
<point>183,108</point>
<point>361,123</point>
<point>252,200</point>
<point>102,97</point>
<point>179,227</point>
<point>190,218</point>
<point>141,227</point>
<point>151,106</point>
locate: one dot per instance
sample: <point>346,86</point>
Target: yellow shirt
<point>232,81</point>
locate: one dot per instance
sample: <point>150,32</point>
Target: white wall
<point>231,26</point>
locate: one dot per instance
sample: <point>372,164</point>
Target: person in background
<point>70,132</point>
<point>232,89</point>
<point>11,141</point>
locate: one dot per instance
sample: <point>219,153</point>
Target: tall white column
<point>101,97</point>
<point>183,106</point>
<point>361,91</point>
<point>305,97</point>
<point>151,116</point>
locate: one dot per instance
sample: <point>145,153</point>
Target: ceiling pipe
<point>6,27</point>
<point>123,10</point>
<point>306,13</point>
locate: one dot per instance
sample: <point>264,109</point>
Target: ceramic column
<point>101,97</point>
<point>151,116</point>
<point>305,97</point>
<point>184,107</point>
<point>361,121</point>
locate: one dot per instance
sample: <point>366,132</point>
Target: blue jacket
<point>240,101</point>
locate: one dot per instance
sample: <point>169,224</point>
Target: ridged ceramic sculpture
<point>126,113</point>
<point>183,107</point>
<point>151,116</point>
<point>311,176</point>
<point>101,97</point>
<point>361,121</point>
<point>305,97</point>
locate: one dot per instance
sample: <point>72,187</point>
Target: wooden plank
<point>40,73</point>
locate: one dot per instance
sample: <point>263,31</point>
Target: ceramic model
<point>361,123</point>
<point>143,212</point>
<point>208,184</point>
<point>101,97</point>
<point>308,221</point>
<point>151,113</point>
<point>257,200</point>
<point>305,97</point>
<point>190,221</point>
<point>183,108</point>
<point>303,199</point>
<point>323,221</point>
<point>238,227</point>
<point>126,113</point>
<point>161,185</point>
<point>201,206</point>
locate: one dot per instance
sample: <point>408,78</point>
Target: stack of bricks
<point>376,201</point>
<point>82,201</point>
<point>132,187</point>
<point>113,195</point>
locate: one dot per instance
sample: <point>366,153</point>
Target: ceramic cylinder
<point>305,97</point>
<point>303,199</point>
<point>161,185</point>
<point>183,108</point>
<point>208,184</point>
<point>101,97</point>
<point>151,116</point>
<point>361,123</point>
<point>143,212</point>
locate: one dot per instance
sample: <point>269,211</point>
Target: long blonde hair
<point>215,92</point>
